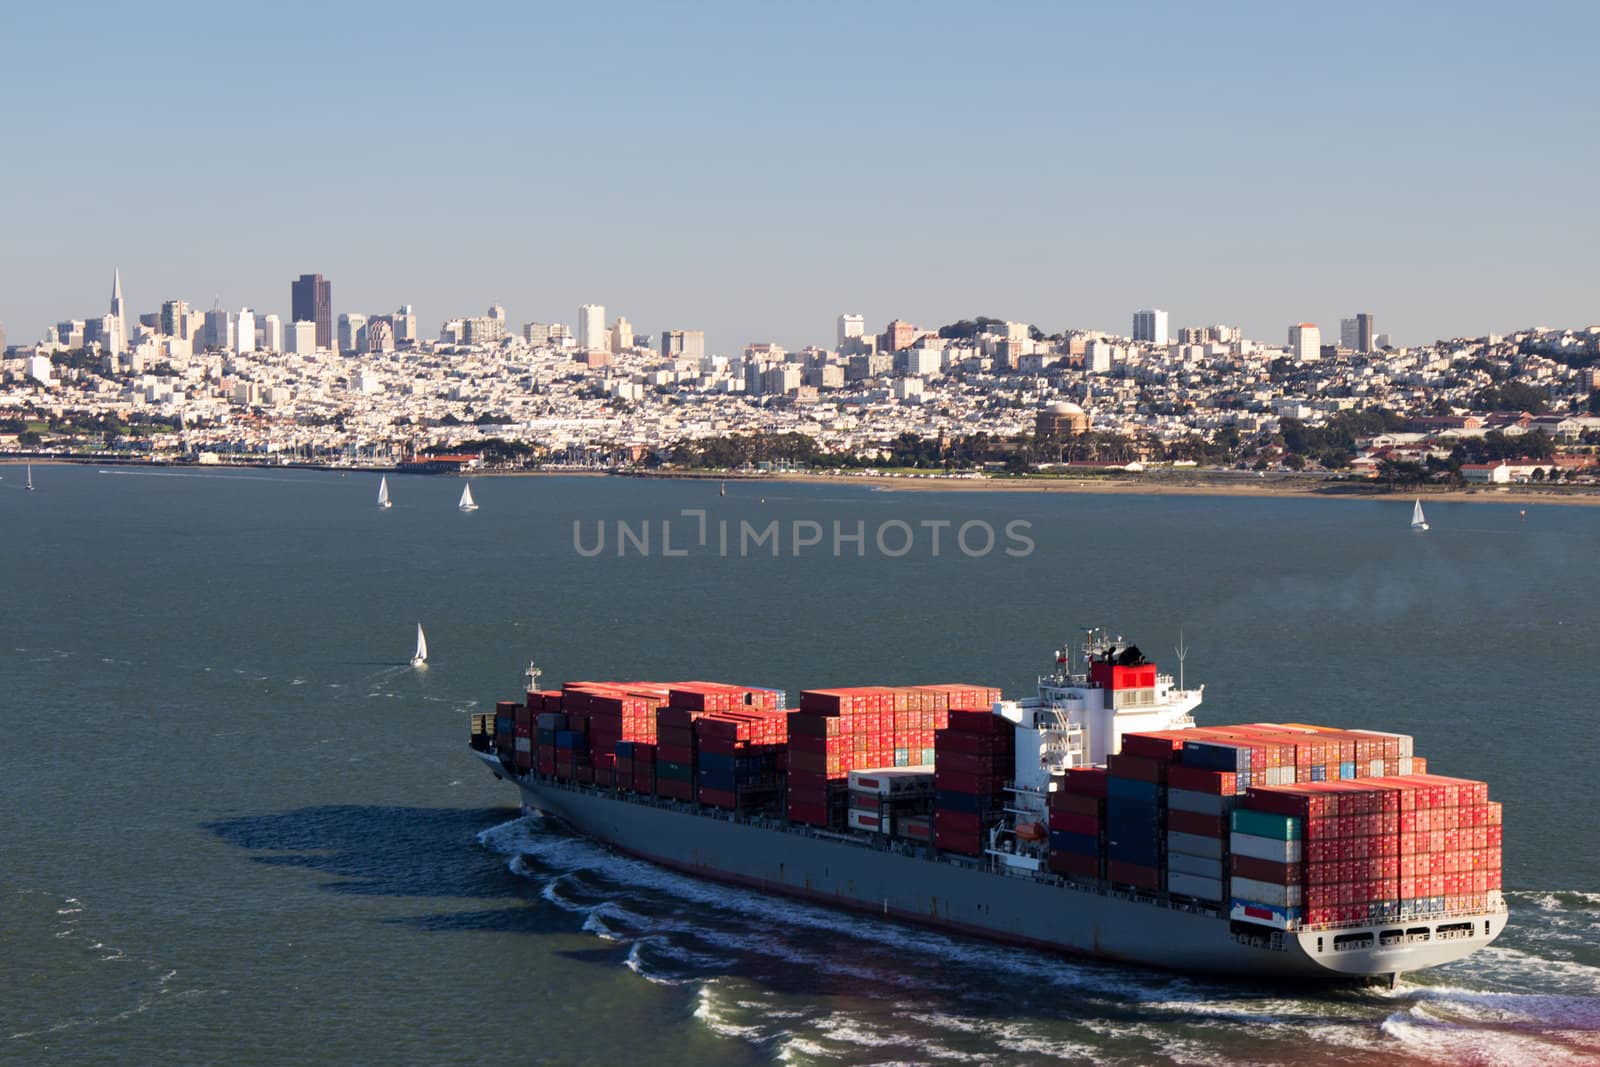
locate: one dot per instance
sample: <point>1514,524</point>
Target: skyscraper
<point>219,329</point>
<point>1349,335</point>
<point>311,300</point>
<point>1150,326</point>
<point>244,332</point>
<point>350,326</point>
<point>121,332</point>
<point>1305,342</point>
<point>851,328</point>
<point>175,319</point>
<point>592,333</point>
<point>272,333</point>
<point>1364,332</point>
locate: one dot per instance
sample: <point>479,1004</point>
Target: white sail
<point>30,477</point>
<point>420,656</point>
<point>1418,522</point>
<point>383,492</point>
<point>467,503</point>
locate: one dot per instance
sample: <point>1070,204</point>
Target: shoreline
<point>1231,486</point>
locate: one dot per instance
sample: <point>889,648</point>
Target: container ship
<point>1093,818</point>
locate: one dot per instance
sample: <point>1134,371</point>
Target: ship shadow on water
<point>394,851</point>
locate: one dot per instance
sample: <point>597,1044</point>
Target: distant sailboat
<point>467,503</point>
<point>1418,522</point>
<point>29,486</point>
<point>383,492</point>
<point>724,489</point>
<point>419,658</point>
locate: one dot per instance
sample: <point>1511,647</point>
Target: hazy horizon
<point>754,173</point>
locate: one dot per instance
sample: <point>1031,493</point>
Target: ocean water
<point>238,828</point>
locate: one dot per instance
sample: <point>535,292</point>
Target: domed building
<point>1060,420</point>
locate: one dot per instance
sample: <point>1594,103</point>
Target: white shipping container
<point>869,820</point>
<point>1280,776</point>
<point>1279,896</point>
<point>1194,844</point>
<point>1375,768</point>
<point>1405,765</point>
<point>1279,918</point>
<point>1264,848</point>
<point>1407,745</point>
<point>892,781</point>
<point>1191,885</point>
<point>1201,803</point>
<point>1204,866</point>
<point>524,744</point>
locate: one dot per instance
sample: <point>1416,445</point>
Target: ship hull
<point>979,902</point>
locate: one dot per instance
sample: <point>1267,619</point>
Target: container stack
<point>675,752</point>
<point>836,731</point>
<point>974,757</point>
<point>1136,810</point>
<point>881,801</point>
<point>1384,849</point>
<point>1077,823</point>
<point>739,758</point>
<point>1202,791</point>
<point>505,731</point>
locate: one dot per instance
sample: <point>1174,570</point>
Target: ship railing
<point>1402,920</point>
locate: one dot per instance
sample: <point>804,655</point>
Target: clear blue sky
<point>755,169</point>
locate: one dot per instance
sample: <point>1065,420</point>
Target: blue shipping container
<point>1131,789</point>
<point>1212,756</point>
<point>1075,844</point>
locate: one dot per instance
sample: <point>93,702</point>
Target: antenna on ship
<point>1183,651</point>
<point>533,672</point>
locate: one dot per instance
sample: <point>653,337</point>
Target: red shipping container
<point>1133,874</point>
<point>1074,804</point>
<point>1268,871</point>
<point>1199,780</point>
<point>979,744</point>
<point>718,798</point>
<point>1193,822</point>
<point>968,763</point>
<point>1163,746</point>
<point>1086,781</point>
<point>1136,768</point>
<point>977,722</point>
<point>959,822</point>
<point>957,782</point>
<point>1075,824</point>
<point>1079,866</point>
<point>965,844</point>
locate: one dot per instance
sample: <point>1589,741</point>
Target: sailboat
<point>419,658</point>
<point>1418,522</point>
<point>724,489</point>
<point>383,492</point>
<point>467,503</point>
<point>29,486</point>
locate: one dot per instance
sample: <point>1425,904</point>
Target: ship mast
<point>534,673</point>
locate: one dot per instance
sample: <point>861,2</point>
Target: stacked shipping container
<point>1077,824</point>
<point>974,758</point>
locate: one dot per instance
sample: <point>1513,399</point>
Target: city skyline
<point>753,175</point>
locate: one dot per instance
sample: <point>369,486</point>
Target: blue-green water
<point>237,828</point>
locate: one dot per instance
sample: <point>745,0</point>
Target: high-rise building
<point>536,333</point>
<point>1349,335</point>
<point>219,330</point>
<point>378,336</point>
<point>1364,332</point>
<point>404,322</point>
<point>244,332</point>
<point>311,300</point>
<point>1305,342</point>
<point>121,331</point>
<point>2,338</point>
<point>271,333</point>
<point>592,333</point>
<point>685,344</point>
<point>498,313</point>
<point>621,335</point>
<point>303,338</point>
<point>175,319</point>
<point>851,327</point>
<point>1150,326</point>
<point>898,334</point>
<point>350,326</point>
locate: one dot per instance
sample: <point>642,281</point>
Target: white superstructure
<point>1077,720</point>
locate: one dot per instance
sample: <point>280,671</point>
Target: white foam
<point>707,1012</point>
<point>1446,1042</point>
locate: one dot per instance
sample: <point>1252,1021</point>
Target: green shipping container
<point>1266,824</point>
<point>677,772</point>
